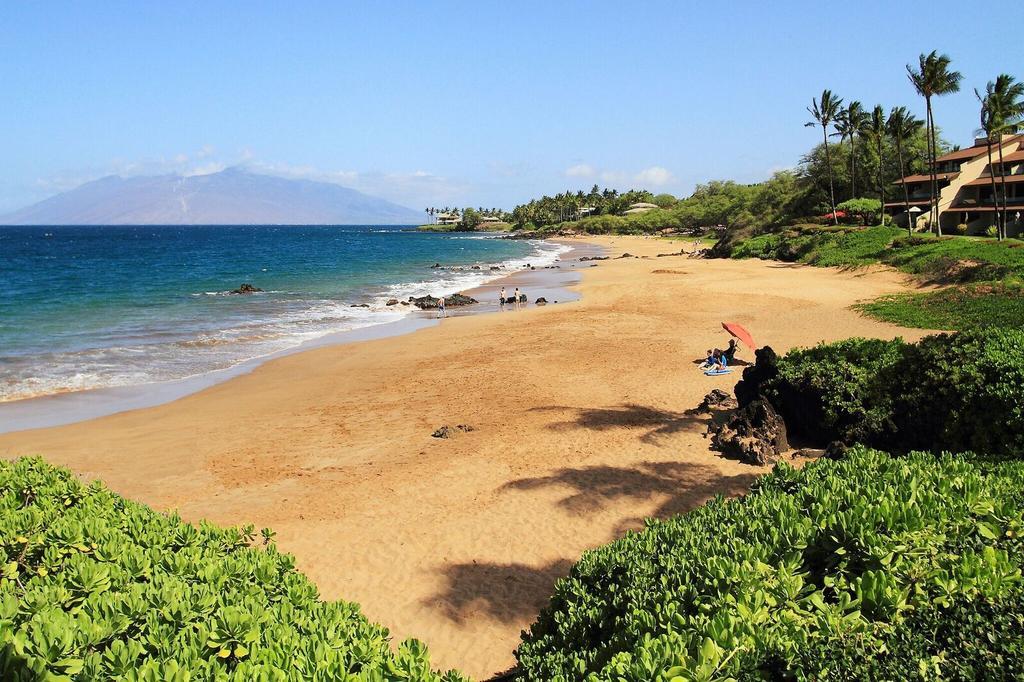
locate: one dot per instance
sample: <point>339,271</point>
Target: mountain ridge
<point>233,196</point>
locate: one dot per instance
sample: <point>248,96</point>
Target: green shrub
<point>95,587</point>
<point>810,559</point>
<point>968,639</point>
<point>991,231</point>
<point>829,392</point>
<point>950,391</point>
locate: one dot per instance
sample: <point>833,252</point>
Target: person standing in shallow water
<point>517,297</point>
<point>501,297</point>
<point>441,312</point>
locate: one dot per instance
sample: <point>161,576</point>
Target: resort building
<point>965,180</point>
<point>639,207</point>
<point>489,219</point>
<point>448,218</point>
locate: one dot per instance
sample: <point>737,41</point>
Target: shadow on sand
<point>590,489</point>
<point>501,592</point>
<point>656,422</point>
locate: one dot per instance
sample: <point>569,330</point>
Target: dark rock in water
<point>392,301</point>
<point>495,267</point>
<point>431,303</point>
<point>541,301</point>
<point>627,255</point>
<point>449,431</point>
<point>246,289</point>
<point>360,305</point>
<point>476,267</point>
<point>435,265</point>
<point>593,265</point>
<point>717,399</point>
<point>405,303</point>
<point>755,434</point>
<point>456,300</point>
<point>765,368</point>
<point>586,258</point>
<point>532,268</point>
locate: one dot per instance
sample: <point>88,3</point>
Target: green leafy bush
<point>829,392</point>
<point>968,639</point>
<point>949,391</point>
<point>745,588</point>
<point>95,587</point>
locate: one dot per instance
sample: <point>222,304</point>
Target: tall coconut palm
<point>849,122</point>
<point>1002,112</point>
<point>875,130</point>
<point>901,126</point>
<point>824,113</point>
<point>933,79</point>
<point>987,120</point>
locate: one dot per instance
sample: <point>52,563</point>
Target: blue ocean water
<point>89,307</point>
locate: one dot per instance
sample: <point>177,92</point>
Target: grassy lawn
<point>955,309</point>
<point>962,259</point>
<point>990,273</point>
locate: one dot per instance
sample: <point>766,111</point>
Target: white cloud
<point>580,170</point>
<point>205,169</point>
<point>411,189</point>
<point>655,176</point>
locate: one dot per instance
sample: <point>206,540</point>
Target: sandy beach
<point>579,431</point>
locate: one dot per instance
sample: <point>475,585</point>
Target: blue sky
<point>480,103</point>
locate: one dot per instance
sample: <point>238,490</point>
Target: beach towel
<point>716,372</point>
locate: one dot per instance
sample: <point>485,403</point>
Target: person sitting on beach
<point>441,312</point>
<point>730,353</point>
<point>710,361</point>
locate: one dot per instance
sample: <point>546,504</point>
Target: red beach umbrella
<point>740,332</point>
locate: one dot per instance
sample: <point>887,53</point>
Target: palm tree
<point>901,126</point>
<point>875,128</point>
<point>987,120</point>
<point>933,79</point>
<point>849,122</point>
<point>1002,111</point>
<point>824,113</point>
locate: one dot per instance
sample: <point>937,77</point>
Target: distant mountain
<point>230,197</point>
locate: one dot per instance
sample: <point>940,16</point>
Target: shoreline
<point>74,406</point>
<point>581,429</point>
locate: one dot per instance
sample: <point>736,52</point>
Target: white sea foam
<point>137,355</point>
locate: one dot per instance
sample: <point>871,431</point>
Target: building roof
<point>1008,179</point>
<point>1010,158</point>
<point>969,153</point>
<point>921,177</point>
<point>912,202</point>
<point>643,204</point>
<point>490,219</point>
<point>980,148</point>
